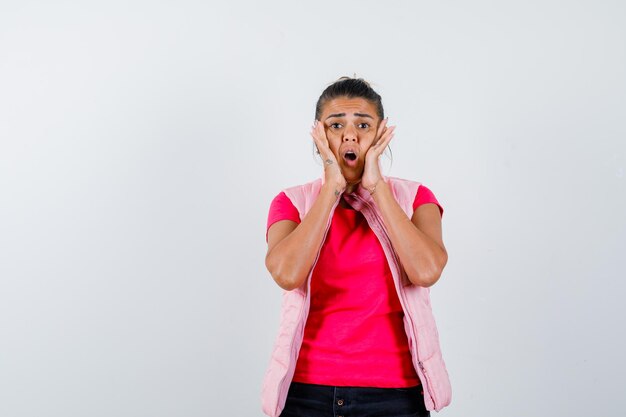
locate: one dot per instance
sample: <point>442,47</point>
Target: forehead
<point>349,106</point>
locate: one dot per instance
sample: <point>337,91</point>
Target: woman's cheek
<point>331,135</point>
<point>333,141</point>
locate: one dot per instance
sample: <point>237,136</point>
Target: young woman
<point>355,253</point>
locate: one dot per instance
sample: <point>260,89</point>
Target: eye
<point>364,125</point>
<point>336,125</point>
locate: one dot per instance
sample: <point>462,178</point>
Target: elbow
<point>278,273</point>
<point>427,277</point>
<point>424,280</point>
<point>285,284</point>
<point>430,280</point>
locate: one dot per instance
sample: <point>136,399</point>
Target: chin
<point>353,181</point>
<point>352,174</point>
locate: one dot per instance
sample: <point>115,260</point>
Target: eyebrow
<point>343,115</point>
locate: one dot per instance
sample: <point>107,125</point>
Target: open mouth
<point>350,158</point>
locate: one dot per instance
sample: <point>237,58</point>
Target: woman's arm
<point>292,247</point>
<point>417,241</point>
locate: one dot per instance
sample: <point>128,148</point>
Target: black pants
<point>312,400</point>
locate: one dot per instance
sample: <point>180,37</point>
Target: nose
<point>349,134</point>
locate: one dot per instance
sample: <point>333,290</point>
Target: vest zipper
<point>425,381</point>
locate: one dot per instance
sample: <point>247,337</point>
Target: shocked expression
<point>351,125</point>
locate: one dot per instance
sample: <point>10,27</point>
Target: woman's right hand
<point>332,171</point>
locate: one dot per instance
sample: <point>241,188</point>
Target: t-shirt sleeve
<point>423,196</point>
<point>281,209</point>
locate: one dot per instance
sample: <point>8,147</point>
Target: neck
<point>352,186</point>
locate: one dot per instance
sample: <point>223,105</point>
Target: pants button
<point>340,402</point>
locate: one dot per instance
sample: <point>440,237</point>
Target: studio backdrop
<point>141,144</point>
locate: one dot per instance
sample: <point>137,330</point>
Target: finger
<point>316,139</point>
<point>379,148</point>
<point>318,143</point>
<point>385,135</point>
<point>322,147</point>
<point>388,132</point>
<point>318,130</point>
<point>386,143</point>
<point>318,133</point>
<point>320,137</point>
<point>387,138</point>
<point>382,127</point>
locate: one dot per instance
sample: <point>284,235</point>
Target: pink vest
<point>419,323</point>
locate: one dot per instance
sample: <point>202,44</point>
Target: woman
<point>355,252</point>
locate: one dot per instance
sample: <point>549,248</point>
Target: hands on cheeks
<point>371,172</point>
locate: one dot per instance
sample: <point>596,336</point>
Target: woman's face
<point>350,125</point>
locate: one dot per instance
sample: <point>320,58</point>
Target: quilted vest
<point>419,323</point>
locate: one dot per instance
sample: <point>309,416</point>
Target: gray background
<point>142,142</point>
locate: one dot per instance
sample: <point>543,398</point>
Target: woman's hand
<point>332,172</point>
<point>371,172</point>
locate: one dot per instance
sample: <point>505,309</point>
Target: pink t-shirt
<point>354,334</point>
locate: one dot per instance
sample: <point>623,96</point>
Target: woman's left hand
<point>371,172</point>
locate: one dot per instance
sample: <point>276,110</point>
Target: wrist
<point>333,187</point>
<point>381,187</point>
<point>371,187</point>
